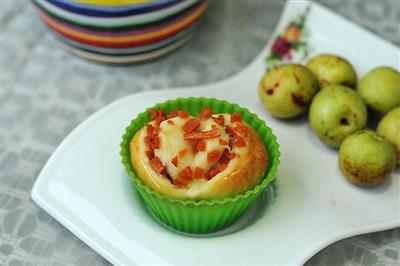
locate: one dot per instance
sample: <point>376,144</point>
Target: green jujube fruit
<point>332,70</point>
<point>380,89</point>
<point>335,113</point>
<point>286,91</point>
<point>366,159</point>
<point>389,128</point>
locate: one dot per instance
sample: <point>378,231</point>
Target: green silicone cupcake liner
<point>203,216</point>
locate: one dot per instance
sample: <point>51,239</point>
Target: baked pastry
<point>221,165</point>
<point>210,156</point>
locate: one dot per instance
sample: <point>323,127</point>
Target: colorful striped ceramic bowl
<point>121,31</point>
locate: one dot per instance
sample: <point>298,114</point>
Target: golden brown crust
<point>242,174</point>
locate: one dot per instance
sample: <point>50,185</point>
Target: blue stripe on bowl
<point>103,11</point>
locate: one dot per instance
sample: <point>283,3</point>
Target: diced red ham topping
<point>150,154</point>
<point>157,165</point>
<point>174,161</point>
<point>183,114</point>
<point>201,146</point>
<point>173,114</point>
<point>156,131</point>
<point>220,120</point>
<point>212,172</point>
<point>157,114</point>
<point>152,140</point>
<point>238,141</point>
<point>241,129</point>
<point>191,125</point>
<point>186,174</point>
<point>205,113</point>
<point>216,169</point>
<point>148,142</point>
<point>213,133</point>
<point>153,114</point>
<point>156,142</point>
<point>149,130</point>
<point>227,156</point>
<point>178,182</point>
<point>236,117</point>
<point>159,119</point>
<point>198,173</point>
<point>229,130</point>
<point>213,156</point>
<point>235,138</point>
<point>223,166</point>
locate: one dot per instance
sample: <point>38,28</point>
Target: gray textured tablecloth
<point>46,92</point>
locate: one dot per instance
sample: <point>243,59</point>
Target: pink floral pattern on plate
<point>292,44</point>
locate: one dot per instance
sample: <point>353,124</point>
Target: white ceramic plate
<point>84,186</point>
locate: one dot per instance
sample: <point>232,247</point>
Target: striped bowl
<point>121,31</point>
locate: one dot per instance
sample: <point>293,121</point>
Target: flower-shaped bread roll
<point>210,156</point>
